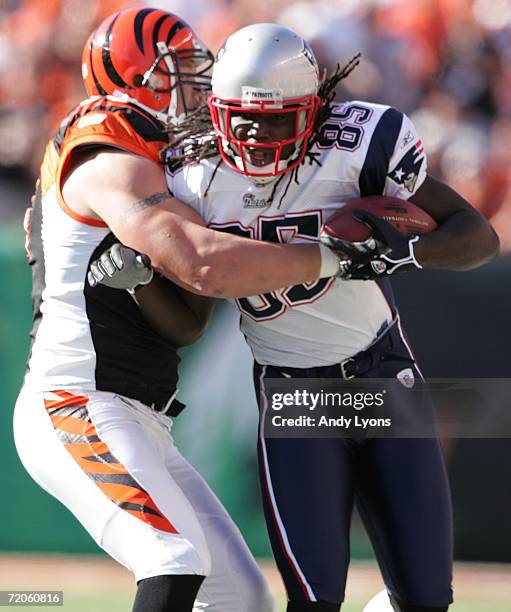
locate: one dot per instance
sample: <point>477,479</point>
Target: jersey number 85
<point>304,226</point>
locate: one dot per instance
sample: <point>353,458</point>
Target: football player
<point>288,147</point>
<point>288,158</point>
<point>92,421</point>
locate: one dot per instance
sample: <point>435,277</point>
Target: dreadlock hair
<point>326,94</point>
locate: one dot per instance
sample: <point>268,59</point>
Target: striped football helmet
<point>147,56</point>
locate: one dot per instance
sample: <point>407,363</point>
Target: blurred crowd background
<point>447,63</point>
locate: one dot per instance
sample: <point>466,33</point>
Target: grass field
<point>92,584</point>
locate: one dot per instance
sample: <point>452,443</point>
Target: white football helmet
<point>379,603</point>
<point>264,68</point>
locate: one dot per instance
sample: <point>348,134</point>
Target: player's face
<point>188,95</point>
<point>263,128</point>
<point>193,95</point>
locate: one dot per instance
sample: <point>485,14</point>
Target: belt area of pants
<point>374,354</point>
<point>384,348</point>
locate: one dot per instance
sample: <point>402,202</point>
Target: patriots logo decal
<point>407,170</point>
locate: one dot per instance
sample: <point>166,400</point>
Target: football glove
<point>386,253</point>
<point>120,268</point>
<point>192,148</point>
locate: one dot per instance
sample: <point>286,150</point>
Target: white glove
<point>120,268</point>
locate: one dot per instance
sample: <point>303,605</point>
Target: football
<point>403,215</point>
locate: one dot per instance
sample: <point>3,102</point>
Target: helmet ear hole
<point>138,79</point>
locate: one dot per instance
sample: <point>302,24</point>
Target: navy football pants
<point>309,487</point>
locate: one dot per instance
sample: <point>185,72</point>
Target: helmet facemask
<point>262,153</point>
<point>172,71</point>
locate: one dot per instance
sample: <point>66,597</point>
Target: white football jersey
<point>90,338</point>
<point>363,149</point>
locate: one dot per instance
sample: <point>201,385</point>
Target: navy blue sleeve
<point>381,148</point>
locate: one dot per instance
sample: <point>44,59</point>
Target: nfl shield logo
<point>406,378</point>
<point>378,266</point>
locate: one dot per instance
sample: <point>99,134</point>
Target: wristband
<point>329,262</point>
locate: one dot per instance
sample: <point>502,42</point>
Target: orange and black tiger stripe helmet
<point>148,56</point>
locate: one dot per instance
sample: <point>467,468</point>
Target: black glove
<point>393,252</point>
<point>120,268</point>
<point>385,253</point>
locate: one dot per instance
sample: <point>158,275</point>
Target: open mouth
<point>260,157</point>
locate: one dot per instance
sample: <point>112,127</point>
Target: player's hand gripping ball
<point>376,235</point>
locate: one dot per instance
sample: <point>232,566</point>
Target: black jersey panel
<point>36,262</point>
<point>131,358</point>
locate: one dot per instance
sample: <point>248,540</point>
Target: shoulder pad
<point>106,121</point>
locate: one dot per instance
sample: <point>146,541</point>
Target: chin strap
<point>174,84</point>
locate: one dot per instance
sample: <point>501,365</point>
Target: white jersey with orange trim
<point>80,333</point>
<point>363,149</point>
<point>88,423</point>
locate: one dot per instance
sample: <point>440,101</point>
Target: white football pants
<point>112,462</point>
